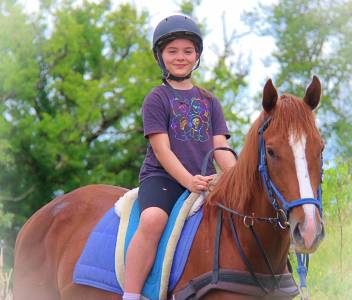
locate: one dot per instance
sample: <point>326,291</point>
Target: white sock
<point>131,296</point>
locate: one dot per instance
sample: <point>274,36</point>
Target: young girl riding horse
<point>182,123</point>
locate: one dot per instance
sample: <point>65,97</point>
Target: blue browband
<point>273,192</point>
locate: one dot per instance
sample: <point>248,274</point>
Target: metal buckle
<point>303,292</point>
<point>245,221</point>
<point>282,219</point>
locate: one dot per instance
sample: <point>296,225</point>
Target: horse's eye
<point>322,147</point>
<point>270,152</point>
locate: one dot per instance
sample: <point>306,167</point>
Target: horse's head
<point>292,150</point>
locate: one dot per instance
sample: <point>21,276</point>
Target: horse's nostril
<point>322,231</point>
<point>297,233</point>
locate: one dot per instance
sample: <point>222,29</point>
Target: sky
<point>210,12</point>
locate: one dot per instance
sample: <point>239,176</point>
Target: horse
<point>245,233</point>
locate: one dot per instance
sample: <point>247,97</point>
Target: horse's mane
<point>237,186</point>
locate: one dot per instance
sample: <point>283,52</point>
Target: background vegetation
<point>73,78</point>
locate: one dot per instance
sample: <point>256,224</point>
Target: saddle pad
<point>157,282</point>
<point>96,265</point>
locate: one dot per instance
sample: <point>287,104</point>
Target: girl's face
<point>179,57</point>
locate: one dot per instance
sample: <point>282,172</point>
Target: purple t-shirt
<point>190,119</point>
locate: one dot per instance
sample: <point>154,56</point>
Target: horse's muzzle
<point>307,236</point>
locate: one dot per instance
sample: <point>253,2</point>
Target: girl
<point>182,123</point>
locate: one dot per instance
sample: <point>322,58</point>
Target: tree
<point>337,204</point>
<point>72,97</point>
<point>314,37</point>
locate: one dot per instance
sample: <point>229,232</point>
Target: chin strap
<point>178,79</point>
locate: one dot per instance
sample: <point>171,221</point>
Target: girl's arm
<point>224,159</point>
<point>161,146</point>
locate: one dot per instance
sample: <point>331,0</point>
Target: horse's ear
<point>313,93</point>
<point>269,96</point>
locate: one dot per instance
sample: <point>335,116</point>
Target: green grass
<point>5,280</point>
<point>328,278</point>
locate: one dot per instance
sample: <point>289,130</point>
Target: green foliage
<point>337,187</point>
<point>72,98</point>
<point>326,279</point>
<point>5,279</point>
<point>188,6</point>
<point>314,37</point>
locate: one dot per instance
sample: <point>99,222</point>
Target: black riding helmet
<point>171,28</point>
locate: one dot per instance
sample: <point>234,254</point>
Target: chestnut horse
<point>249,246</point>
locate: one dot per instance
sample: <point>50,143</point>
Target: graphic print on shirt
<point>190,120</point>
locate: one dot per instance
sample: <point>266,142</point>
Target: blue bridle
<point>273,192</point>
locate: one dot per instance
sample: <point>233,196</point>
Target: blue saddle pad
<point>96,265</point>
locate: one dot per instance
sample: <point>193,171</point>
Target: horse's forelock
<point>290,116</point>
<point>293,116</point>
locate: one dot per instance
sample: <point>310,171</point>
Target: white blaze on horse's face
<point>308,228</point>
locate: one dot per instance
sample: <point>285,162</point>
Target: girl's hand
<point>199,183</point>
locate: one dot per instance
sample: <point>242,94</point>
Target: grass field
<point>5,280</point>
<point>330,268</point>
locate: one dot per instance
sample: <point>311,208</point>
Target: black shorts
<point>159,191</point>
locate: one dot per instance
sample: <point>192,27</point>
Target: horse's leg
<point>28,287</point>
<point>33,274</point>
